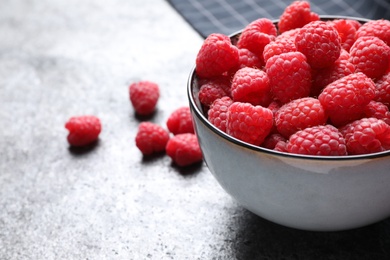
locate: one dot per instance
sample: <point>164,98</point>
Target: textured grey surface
<point>67,57</point>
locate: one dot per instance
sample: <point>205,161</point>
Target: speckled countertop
<point>68,57</point>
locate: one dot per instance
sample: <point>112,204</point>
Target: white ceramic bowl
<point>305,192</point>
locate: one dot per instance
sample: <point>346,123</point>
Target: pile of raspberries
<point>303,85</point>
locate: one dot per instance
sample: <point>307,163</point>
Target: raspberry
<point>249,123</point>
<point>248,59</point>
<point>272,140</point>
<point>299,114</point>
<point>290,76</point>
<point>325,140</point>
<point>366,135</point>
<point>320,43</point>
<point>251,85</point>
<point>180,121</point>
<point>347,32</point>
<point>281,146</point>
<point>382,93</point>
<point>322,77</point>
<point>279,46</point>
<point>144,96</point>
<point>209,92</point>
<point>83,130</point>
<point>216,56</point>
<point>257,35</point>
<point>344,100</point>
<point>370,55</point>
<point>151,138</point>
<point>217,114</point>
<point>379,28</point>
<point>184,149</point>
<point>296,15</point>
<point>377,110</point>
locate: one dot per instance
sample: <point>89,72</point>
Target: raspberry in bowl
<point>311,152</point>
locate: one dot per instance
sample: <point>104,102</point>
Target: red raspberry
<point>291,34</point>
<point>378,110</point>
<point>216,56</point>
<point>249,123</point>
<point>217,114</point>
<point>296,15</point>
<point>322,77</point>
<point>151,138</point>
<point>281,146</point>
<point>370,55</point>
<point>83,130</point>
<point>345,99</point>
<point>251,85</point>
<point>382,93</point>
<point>279,46</point>
<point>180,121</point>
<point>249,59</point>
<point>184,149</point>
<point>209,92</point>
<point>320,43</point>
<point>299,114</point>
<point>347,32</point>
<point>144,96</point>
<point>272,140</point>
<point>366,135</point>
<point>379,28</point>
<point>325,140</point>
<point>290,76</point>
<point>257,35</point>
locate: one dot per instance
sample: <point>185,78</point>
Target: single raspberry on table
<point>180,121</point>
<point>382,93</point>
<point>379,28</point>
<point>217,114</point>
<point>290,76</point>
<point>249,123</point>
<point>256,35</point>
<point>320,43</point>
<point>325,140</point>
<point>279,46</point>
<point>252,86</point>
<point>83,130</point>
<point>366,135</point>
<point>151,138</point>
<point>344,100</point>
<point>370,55</point>
<point>184,149</point>
<point>378,110</point>
<point>299,114</point>
<point>347,31</point>
<point>296,15</point>
<point>216,56</point>
<point>144,96</point>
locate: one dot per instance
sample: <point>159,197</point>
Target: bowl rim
<point>199,114</point>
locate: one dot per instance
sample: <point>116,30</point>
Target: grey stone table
<point>68,57</point>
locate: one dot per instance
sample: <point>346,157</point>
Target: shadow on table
<point>257,238</point>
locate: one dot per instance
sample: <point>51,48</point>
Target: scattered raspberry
<point>296,15</point>
<point>144,96</point>
<point>249,123</point>
<point>325,140</point>
<point>217,114</point>
<point>83,130</point>
<point>367,135</point>
<point>347,32</point>
<point>272,140</point>
<point>184,149</point>
<point>370,55</point>
<point>257,35</point>
<point>216,56</point>
<point>251,85</point>
<point>290,76</point>
<point>379,28</point>
<point>151,138</point>
<point>299,114</point>
<point>320,43</point>
<point>378,110</point>
<point>344,100</point>
<point>382,93</point>
<point>180,121</point>
<point>279,46</point>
